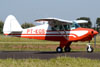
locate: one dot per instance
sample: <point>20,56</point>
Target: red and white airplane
<point>53,29</point>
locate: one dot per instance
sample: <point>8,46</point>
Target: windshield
<point>74,25</point>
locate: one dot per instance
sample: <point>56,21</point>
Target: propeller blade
<point>94,40</point>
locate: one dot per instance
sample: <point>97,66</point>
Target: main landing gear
<point>66,45</point>
<point>67,49</point>
<point>60,50</point>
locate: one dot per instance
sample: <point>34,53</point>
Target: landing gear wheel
<point>59,49</point>
<point>90,49</point>
<point>67,49</point>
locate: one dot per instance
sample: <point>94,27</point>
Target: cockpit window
<point>61,27</point>
<point>72,26</point>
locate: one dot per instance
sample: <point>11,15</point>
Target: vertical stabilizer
<point>11,25</point>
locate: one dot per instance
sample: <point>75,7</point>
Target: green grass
<point>22,44</point>
<point>17,39</point>
<point>57,62</point>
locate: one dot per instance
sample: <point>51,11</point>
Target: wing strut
<point>62,33</point>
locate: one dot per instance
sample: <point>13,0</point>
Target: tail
<point>11,25</point>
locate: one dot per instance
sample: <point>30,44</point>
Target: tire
<point>59,50</point>
<point>67,49</point>
<point>90,50</point>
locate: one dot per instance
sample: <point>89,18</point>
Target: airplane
<point>53,29</point>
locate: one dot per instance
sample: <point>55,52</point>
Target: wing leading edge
<point>60,21</point>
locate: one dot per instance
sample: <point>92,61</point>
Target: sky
<point>30,10</point>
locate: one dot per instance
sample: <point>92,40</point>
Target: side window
<point>53,29</point>
<point>61,27</point>
<point>57,27</point>
<point>67,27</point>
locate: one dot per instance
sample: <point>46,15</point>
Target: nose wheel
<point>89,48</point>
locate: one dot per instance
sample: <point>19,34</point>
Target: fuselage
<point>45,32</point>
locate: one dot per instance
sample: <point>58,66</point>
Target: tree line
<point>88,25</point>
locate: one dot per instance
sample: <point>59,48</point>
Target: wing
<point>57,21</point>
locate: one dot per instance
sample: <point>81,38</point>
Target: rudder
<point>11,25</point>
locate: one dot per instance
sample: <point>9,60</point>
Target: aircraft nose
<point>95,32</point>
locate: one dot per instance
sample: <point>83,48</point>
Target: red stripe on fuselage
<point>53,37</point>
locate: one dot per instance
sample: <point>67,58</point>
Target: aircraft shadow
<point>41,52</point>
<point>54,52</point>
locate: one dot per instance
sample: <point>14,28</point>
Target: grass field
<point>23,44</point>
<point>57,62</point>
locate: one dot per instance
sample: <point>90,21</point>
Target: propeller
<point>95,34</point>
<point>94,40</point>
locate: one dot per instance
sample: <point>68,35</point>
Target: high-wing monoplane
<point>52,29</point>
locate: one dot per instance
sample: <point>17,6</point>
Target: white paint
<point>11,25</point>
<point>78,33</point>
<point>61,20</point>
